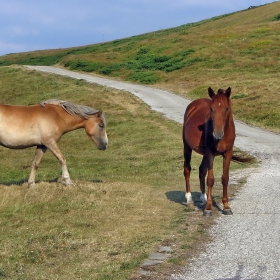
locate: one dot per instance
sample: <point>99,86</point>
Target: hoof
<point>207,213</point>
<point>227,212</point>
<point>67,182</point>
<point>190,205</point>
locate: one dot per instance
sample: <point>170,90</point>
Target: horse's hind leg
<point>187,172</point>
<point>40,150</point>
<point>225,178</point>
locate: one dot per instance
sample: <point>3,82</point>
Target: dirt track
<point>245,245</point>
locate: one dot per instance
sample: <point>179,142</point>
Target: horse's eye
<point>101,125</point>
<point>226,109</point>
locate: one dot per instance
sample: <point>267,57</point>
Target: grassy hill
<point>240,50</point>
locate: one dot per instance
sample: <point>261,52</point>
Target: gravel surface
<point>245,245</point>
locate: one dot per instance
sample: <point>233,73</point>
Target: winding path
<point>245,245</point>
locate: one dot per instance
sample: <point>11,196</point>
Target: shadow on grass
<point>21,182</point>
<point>179,197</point>
<point>176,196</point>
<point>55,180</point>
<point>13,182</point>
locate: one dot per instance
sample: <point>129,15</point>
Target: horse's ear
<point>228,92</point>
<point>211,92</point>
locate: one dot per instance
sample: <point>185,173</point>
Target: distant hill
<point>241,50</point>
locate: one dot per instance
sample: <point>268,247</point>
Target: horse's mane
<point>71,108</point>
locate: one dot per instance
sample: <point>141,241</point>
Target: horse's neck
<point>73,123</point>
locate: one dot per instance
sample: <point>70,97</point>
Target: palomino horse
<point>42,125</point>
<point>209,130</point>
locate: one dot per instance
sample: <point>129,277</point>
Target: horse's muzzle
<point>218,135</point>
<point>102,145</point>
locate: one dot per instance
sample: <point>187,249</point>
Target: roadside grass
<point>125,203</point>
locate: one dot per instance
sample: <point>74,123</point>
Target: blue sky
<point>28,25</point>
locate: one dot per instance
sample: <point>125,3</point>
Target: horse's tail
<point>243,159</point>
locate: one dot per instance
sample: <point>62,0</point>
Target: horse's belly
<point>18,139</point>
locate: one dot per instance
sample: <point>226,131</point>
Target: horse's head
<point>96,129</point>
<point>220,110</point>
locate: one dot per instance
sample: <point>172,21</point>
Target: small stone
<point>165,249</point>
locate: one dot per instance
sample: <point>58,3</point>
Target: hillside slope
<point>240,50</point>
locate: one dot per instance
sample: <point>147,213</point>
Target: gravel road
<point>245,245</point>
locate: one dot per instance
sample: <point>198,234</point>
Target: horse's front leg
<point>202,174</point>
<point>40,150</point>
<point>225,178</point>
<point>210,182</point>
<point>56,151</point>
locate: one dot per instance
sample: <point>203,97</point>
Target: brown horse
<point>209,130</point>
<point>42,125</point>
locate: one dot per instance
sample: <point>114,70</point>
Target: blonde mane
<point>71,108</point>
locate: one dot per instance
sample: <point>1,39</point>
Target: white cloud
<point>17,30</point>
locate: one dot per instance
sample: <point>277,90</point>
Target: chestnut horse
<point>209,130</point>
<point>42,125</point>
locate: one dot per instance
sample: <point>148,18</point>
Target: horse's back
<point>196,116</point>
<point>24,117</point>
<point>27,113</point>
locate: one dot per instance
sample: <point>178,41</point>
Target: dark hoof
<point>207,213</point>
<point>227,212</point>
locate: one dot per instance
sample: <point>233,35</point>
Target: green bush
<point>107,70</point>
<point>167,63</point>
<point>276,18</point>
<point>143,77</point>
<point>86,66</point>
<point>144,61</point>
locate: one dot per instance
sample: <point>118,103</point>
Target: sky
<point>28,25</point>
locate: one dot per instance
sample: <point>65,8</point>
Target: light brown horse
<point>42,125</point>
<point>209,130</point>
